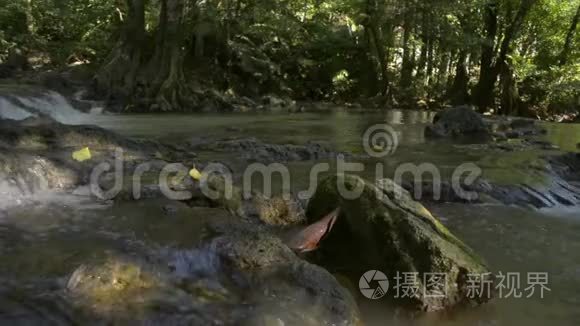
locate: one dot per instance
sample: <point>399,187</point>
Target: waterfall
<point>19,104</point>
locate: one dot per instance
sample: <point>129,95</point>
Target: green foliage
<point>322,49</point>
<point>63,30</point>
<point>13,26</point>
<point>544,84</point>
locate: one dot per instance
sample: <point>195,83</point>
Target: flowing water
<point>50,239</point>
<point>21,102</point>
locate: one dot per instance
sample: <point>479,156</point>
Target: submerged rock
<point>44,133</point>
<point>36,155</point>
<point>218,190</point>
<point>114,287</point>
<point>566,166</point>
<point>31,173</point>
<point>549,181</point>
<point>253,149</point>
<point>384,229</point>
<point>458,121</point>
<point>278,211</point>
<point>270,272</point>
<point>236,278</point>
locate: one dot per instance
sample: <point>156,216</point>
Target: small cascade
<point>556,193</point>
<point>19,104</point>
<point>96,107</point>
<point>10,111</point>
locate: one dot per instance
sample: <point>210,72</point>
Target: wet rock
<point>27,173</point>
<point>234,278</point>
<point>253,149</point>
<point>117,285</point>
<point>275,276</point>
<point>567,166</point>
<point>517,144</point>
<point>128,291</point>
<point>523,195</point>
<point>542,144</point>
<point>36,155</point>
<point>279,210</point>
<point>53,135</point>
<point>234,129</point>
<point>56,81</point>
<point>216,190</point>
<point>513,134</point>
<point>443,191</point>
<point>552,181</point>
<point>33,303</point>
<point>458,121</point>
<point>170,209</point>
<point>514,128</point>
<point>272,101</point>
<point>15,62</point>
<point>499,136</point>
<point>522,123</point>
<point>246,247</point>
<point>219,191</point>
<point>518,133</point>
<point>384,229</point>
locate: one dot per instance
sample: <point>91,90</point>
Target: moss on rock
<point>384,229</point>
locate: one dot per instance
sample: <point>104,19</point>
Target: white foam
<point>10,111</point>
<point>20,107</point>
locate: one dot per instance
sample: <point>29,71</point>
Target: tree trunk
<point>408,53</point>
<point>375,35</point>
<point>430,58</point>
<point>486,78</point>
<point>509,91</point>
<point>421,66</point>
<point>569,39</point>
<point>117,78</point>
<point>485,91</point>
<point>372,66</point>
<point>458,93</point>
<point>407,65</point>
<point>165,68</point>
<point>452,64</point>
<point>442,67</point>
<point>379,43</point>
<point>30,22</point>
<point>512,30</point>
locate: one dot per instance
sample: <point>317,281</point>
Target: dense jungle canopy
<point>518,57</point>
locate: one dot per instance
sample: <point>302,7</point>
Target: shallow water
<point>51,240</point>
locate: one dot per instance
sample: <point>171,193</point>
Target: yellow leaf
<point>82,155</point>
<point>195,174</point>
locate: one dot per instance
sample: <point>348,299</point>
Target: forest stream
<point>45,240</point>
<point>290,163</point>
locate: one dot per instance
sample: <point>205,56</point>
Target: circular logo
<point>381,284</point>
<point>380,140</point>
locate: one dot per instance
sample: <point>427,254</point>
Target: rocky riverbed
<point>253,266</point>
<point>256,260</point>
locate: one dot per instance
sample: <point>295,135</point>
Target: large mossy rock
<point>384,229</point>
<point>458,121</point>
